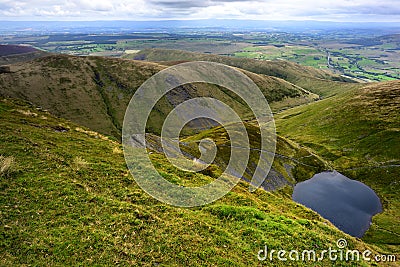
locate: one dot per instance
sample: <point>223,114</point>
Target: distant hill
<point>7,50</point>
<point>10,54</point>
<point>317,81</point>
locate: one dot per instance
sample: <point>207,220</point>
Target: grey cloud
<point>180,4</point>
<point>231,1</point>
<point>176,4</point>
<point>375,10</point>
<point>384,11</point>
<point>6,5</point>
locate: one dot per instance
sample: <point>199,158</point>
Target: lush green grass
<point>306,56</point>
<point>358,134</point>
<point>371,64</point>
<point>71,201</point>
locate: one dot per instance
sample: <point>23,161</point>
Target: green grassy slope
<point>358,133</point>
<point>69,200</point>
<point>95,91</point>
<point>317,81</point>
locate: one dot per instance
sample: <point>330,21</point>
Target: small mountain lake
<point>347,203</point>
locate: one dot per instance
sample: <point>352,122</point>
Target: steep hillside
<point>317,81</point>
<point>95,91</point>
<point>77,88</point>
<point>67,199</point>
<point>358,133</point>
<point>292,163</point>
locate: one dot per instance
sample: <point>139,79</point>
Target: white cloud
<point>94,5</point>
<point>348,10</point>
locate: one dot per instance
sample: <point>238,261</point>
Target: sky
<point>322,10</point>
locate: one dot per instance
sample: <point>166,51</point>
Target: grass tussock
<point>7,166</point>
<point>79,163</point>
<point>117,150</point>
<point>27,112</point>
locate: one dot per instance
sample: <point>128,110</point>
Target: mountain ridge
<point>97,85</point>
<point>317,81</point>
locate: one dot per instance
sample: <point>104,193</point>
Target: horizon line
<point>209,19</point>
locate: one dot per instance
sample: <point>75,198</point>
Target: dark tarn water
<point>347,203</point>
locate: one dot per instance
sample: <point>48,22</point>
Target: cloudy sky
<point>334,10</point>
